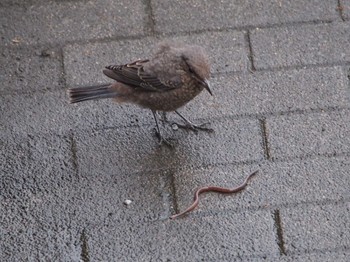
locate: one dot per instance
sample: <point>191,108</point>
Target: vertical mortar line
<point>166,185</point>
<point>173,193</point>
<point>348,83</point>
<point>265,139</point>
<point>250,51</point>
<point>63,77</point>
<point>150,23</point>
<point>279,232</point>
<point>85,257</point>
<point>73,145</point>
<point>340,9</point>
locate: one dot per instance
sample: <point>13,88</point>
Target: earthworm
<point>214,189</point>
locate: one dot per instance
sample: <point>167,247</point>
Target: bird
<point>174,75</point>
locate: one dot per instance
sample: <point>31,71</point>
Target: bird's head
<point>197,62</point>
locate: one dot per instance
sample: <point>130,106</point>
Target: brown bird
<point>167,81</point>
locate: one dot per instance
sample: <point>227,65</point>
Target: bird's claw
<point>162,140</point>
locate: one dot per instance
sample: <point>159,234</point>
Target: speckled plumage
<point>172,77</point>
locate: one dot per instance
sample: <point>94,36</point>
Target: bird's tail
<point>80,94</point>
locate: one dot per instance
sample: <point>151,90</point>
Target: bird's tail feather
<point>80,94</point>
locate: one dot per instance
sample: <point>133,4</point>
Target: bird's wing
<point>134,75</point>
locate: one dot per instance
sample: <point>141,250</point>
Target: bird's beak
<point>206,85</point>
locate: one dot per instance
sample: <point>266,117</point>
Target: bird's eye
<point>190,69</point>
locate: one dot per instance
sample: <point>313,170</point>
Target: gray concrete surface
<point>281,104</point>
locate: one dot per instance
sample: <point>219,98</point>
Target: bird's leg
<point>158,133</point>
<point>164,117</point>
<point>190,125</point>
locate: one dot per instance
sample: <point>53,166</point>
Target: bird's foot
<point>162,140</point>
<point>190,126</point>
<point>193,127</point>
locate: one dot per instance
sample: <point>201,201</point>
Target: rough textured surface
<point>51,112</point>
<point>20,67</point>
<point>344,8</point>
<point>57,22</point>
<point>47,207</point>
<point>134,242</point>
<point>231,236</point>
<point>89,182</point>
<point>134,150</point>
<point>226,13</point>
<point>316,227</point>
<point>35,224</point>
<point>281,183</point>
<point>301,45</point>
<point>316,133</point>
<point>341,256</point>
<point>270,92</point>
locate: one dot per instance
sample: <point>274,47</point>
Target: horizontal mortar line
<point>238,164</point>
<point>308,111</point>
<point>193,167</point>
<point>281,68</point>
<point>217,119</point>
<point>258,162</point>
<point>261,256</point>
<point>340,248</point>
<point>309,156</point>
<point>28,3</point>
<point>190,168</point>
<point>304,66</point>
<point>214,75</point>
<point>228,73</point>
<point>220,164</point>
<point>82,42</point>
<point>267,115</point>
<point>226,117</point>
<point>34,92</point>
<point>242,29</point>
<point>107,40</point>
<point>290,254</point>
<point>264,161</point>
<point>227,212</point>
<point>247,27</point>
<point>255,116</point>
<point>160,36</point>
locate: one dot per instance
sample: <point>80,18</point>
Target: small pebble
<point>127,202</point>
<point>47,53</point>
<point>174,127</point>
<point>16,40</point>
